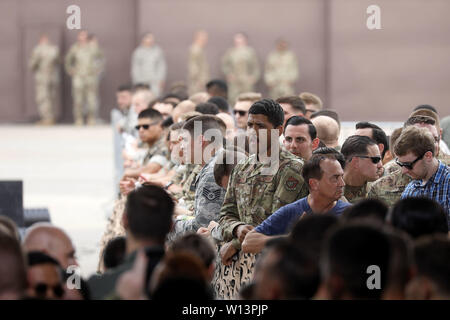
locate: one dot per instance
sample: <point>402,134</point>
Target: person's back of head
<point>221,103</point>
<point>418,217</point>
<point>180,276</point>
<point>217,88</point>
<point>425,107</point>
<point>355,262</point>
<point>197,245</point>
<point>285,272</point>
<point>327,130</point>
<point>308,233</point>
<point>199,97</point>
<point>400,269</point>
<point>149,210</point>
<point>13,278</point>
<point>431,261</point>
<point>114,253</point>
<point>327,113</point>
<point>207,108</point>
<point>367,209</point>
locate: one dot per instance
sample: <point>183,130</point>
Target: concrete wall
<point>363,74</point>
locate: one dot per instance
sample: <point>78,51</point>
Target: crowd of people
<point>254,200</point>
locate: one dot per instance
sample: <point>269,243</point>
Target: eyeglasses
<point>241,112</point>
<point>375,159</point>
<point>408,165</point>
<point>41,290</point>
<point>145,126</point>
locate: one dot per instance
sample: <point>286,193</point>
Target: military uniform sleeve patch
<point>291,183</point>
<point>211,195</point>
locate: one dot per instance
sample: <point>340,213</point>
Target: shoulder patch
<point>291,183</point>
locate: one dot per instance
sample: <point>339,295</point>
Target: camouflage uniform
<point>44,64</point>
<point>84,63</point>
<point>187,196</point>
<point>148,65</point>
<point>251,197</point>
<point>198,70</point>
<point>208,201</point>
<point>241,68</point>
<point>354,194</point>
<point>281,72</point>
<point>390,187</point>
<point>156,153</point>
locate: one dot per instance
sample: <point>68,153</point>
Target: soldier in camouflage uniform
<point>241,68</point>
<point>281,71</point>
<point>253,194</point>
<point>84,64</point>
<point>363,159</point>
<point>198,68</point>
<point>44,64</point>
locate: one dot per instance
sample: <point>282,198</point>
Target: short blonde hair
<point>250,96</point>
<point>309,98</point>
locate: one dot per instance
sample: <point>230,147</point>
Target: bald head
<point>327,130</point>
<point>52,241</point>
<point>199,97</point>
<point>182,108</point>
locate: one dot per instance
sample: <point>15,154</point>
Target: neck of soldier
<point>434,166</point>
<point>320,204</point>
<point>353,178</point>
<point>133,244</point>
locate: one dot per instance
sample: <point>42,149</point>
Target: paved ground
<point>70,171</point>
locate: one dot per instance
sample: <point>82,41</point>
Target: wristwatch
<point>168,184</point>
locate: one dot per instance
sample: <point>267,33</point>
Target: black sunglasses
<point>408,165</point>
<point>241,113</point>
<point>145,126</point>
<point>41,290</point>
<point>375,159</point>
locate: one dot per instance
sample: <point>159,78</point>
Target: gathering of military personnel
<point>223,192</point>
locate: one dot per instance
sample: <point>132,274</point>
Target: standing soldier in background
<point>241,67</point>
<point>99,65</point>
<point>82,64</point>
<point>148,65</point>
<point>44,64</point>
<point>281,71</point>
<point>198,68</point>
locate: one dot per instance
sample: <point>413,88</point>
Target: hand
<point>254,242</point>
<point>203,231</point>
<point>131,284</point>
<point>227,252</point>
<point>242,231</point>
<point>126,185</point>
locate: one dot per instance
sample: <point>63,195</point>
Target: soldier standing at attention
<point>281,71</point>
<point>44,63</point>
<point>148,65</point>
<point>241,67</point>
<point>254,192</point>
<point>198,68</point>
<point>82,65</point>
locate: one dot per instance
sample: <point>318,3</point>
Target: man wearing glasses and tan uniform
<point>243,104</point>
<point>363,164</point>
<point>416,155</point>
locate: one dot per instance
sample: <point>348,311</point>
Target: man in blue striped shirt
<point>416,155</point>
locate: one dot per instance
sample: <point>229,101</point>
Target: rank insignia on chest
<point>291,183</point>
